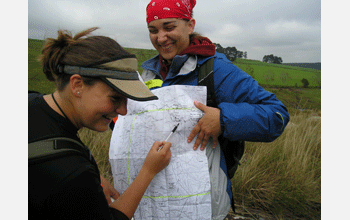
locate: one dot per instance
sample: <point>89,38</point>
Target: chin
<point>100,128</point>
<point>168,57</point>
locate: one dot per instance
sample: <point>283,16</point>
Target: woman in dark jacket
<point>94,77</point>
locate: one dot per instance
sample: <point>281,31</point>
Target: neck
<point>61,106</point>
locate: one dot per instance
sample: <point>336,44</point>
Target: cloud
<point>260,27</point>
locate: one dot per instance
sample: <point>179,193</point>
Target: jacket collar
<point>182,65</point>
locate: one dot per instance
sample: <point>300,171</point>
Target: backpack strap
<point>233,150</point>
<point>206,78</point>
<point>43,150</point>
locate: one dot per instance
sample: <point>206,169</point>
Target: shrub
<point>305,82</point>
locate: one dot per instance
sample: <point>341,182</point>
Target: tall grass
<point>98,143</point>
<point>281,178</point>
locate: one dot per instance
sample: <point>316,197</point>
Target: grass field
<point>281,179</point>
<point>279,75</point>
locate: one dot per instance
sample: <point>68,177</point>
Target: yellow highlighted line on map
<point>132,127</point>
<point>174,197</point>
<point>166,109</point>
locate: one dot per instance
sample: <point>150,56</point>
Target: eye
<point>170,28</point>
<point>117,99</point>
<point>153,31</point>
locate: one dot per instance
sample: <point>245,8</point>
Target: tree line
<point>232,54</point>
<point>272,59</point>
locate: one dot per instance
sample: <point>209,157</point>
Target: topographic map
<point>182,189</point>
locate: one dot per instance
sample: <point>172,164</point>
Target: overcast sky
<point>288,29</point>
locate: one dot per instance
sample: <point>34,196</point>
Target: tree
<point>245,55</point>
<point>219,48</point>
<point>272,59</point>
<point>305,82</point>
<point>230,52</point>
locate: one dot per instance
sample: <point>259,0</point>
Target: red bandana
<point>159,9</point>
<point>201,46</point>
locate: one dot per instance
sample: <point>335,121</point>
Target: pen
<point>172,132</point>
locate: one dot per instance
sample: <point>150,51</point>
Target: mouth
<point>108,118</point>
<point>167,47</point>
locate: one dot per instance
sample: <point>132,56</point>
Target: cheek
<point>100,106</point>
<point>153,39</point>
<point>106,107</point>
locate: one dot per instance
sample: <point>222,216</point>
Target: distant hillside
<point>316,66</point>
<point>267,74</point>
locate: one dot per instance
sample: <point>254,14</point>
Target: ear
<point>76,85</point>
<point>191,24</point>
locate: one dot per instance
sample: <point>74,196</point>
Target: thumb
<point>115,194</point>
<point>200,106</point>
<point>157,145</point>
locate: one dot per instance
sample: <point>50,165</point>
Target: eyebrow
<point>164,24</point>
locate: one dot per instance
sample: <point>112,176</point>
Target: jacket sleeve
<point>248,112</point>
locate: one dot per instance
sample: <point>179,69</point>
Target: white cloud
<point>269,25</point>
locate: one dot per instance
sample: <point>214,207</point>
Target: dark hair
<point>79,50</point>
<point>195,35</point>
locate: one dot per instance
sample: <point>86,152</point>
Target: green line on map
<point>163,197</point>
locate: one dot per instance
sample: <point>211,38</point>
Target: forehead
<point>163,22</point>
<point>104,88</point>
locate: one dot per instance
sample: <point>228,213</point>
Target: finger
<point>115,195</point>
<point>200,106</point>
<point>193,133</point>
<point>215,142</point>
<point>198,140</point>
<point>167,145</point>
<point>204,142</point>
<point>157,145</point>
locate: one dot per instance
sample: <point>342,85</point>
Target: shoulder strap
<point>206,78</point>
<point>32,95</point>
<point>47,149</point>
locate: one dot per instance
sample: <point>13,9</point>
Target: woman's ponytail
<point>54,51</point>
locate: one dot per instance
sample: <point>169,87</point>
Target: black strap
<point>206,78</point>
<point>43,150</point>
<point>233,150</point>
<point>53,97</point>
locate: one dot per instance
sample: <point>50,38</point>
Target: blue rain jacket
<point>248,112</point>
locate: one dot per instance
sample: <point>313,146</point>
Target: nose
<point>122,109</point>
<point>162,37</point>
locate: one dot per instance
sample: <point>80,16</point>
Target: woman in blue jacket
<point>245,110</point>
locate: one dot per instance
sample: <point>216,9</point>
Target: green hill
<point>283,80</point>
<point>278,75</point>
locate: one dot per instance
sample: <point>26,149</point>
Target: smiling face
<point>99,104</point>
<point>170,36</point>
